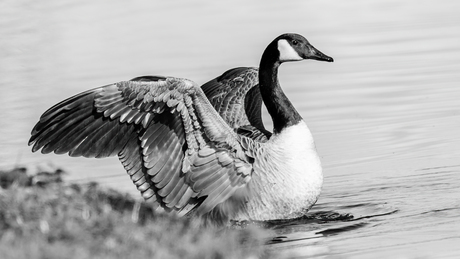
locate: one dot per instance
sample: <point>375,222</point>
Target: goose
<point>200,151</point>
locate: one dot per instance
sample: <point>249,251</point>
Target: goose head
<point>294,47</point>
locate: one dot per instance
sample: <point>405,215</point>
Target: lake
<point>385,115</point>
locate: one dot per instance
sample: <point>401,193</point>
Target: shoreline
<point>41,216</point>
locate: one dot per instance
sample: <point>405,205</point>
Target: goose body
<point>200,151</point>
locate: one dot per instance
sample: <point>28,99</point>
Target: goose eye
<point>295,42</point>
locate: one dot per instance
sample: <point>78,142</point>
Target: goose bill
<point>318,55</point>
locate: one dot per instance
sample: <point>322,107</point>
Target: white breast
<point>295,147</point>
<point>288,175</point>
<point>295,144</point>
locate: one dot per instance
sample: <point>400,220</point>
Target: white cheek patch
<point>287,52</point>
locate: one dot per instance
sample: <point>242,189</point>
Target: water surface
<point>385,114</point>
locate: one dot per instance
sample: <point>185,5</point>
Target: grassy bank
<point>58,220</point>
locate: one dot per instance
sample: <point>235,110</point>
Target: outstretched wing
<point>174,145</point>
<point>236,97</point>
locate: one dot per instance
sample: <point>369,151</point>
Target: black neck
<point>278,105</point>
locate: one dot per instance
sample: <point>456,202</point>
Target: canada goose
<point>200,152</point>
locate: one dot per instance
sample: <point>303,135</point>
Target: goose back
<point>236,97</point>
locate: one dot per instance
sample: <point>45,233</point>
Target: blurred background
<point>385,114</point>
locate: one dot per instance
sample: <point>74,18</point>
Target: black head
<point>294,47</point>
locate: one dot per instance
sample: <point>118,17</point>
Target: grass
<point>58,220</point>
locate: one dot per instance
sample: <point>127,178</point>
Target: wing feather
<point>185,199</point>
<point>218,196</point>
<point>131,158</point>
<point>51,132</point>
<point>172,200</point>
<point>176,148</point>
<point>64,143</point>
<point>173,163</point>
<point>171,191</point>
<point>209,184</point>
<point>82,100</point>
<point>201,173</point>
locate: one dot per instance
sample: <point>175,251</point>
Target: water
<point>385,114</point>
